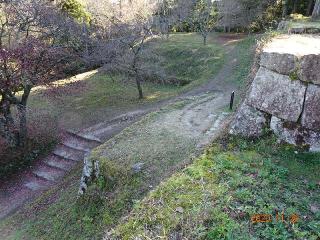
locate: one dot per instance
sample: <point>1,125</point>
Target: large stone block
<point>311,112</point>
<point>302,53</point>
<point>248,122</point>
<point>295,134</point>
<point>309,68</point>
<point>277,94</point>
<point>283,63</point>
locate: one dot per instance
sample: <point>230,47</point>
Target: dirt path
<point>199,119</point>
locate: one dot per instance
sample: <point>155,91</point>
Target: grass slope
<point>93,97</point>
<point>117,190</point>
<point>84,102</point>
<point>60,215</point>
<point>216,196</point>
<point>188,59</point>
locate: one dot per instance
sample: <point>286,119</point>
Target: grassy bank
<point>60,215</point>
<point>150,141</point>
<point>217,195</point>
<point>186,58</point>
<point>94,96</point>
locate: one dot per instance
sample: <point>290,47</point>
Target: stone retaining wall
<point>285,94</point>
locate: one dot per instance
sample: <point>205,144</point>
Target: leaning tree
<point>27,64</point>
<point>28,57</point>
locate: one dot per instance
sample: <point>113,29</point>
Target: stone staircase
<point>65,157</point>
<point>47,172</point>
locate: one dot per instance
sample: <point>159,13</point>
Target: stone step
<point>80,143</point>
<point>69,153</point>
<point>48,173</point>
<point>36,183</point>
<point>100,128</point>
<point>59,163</point>
<point>85,136</point>
<point>109,130</point>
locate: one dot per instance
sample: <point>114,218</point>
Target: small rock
<point>283,25</point>
<point>314,209</point>
<point>179,210</point>
<point>138,167</point>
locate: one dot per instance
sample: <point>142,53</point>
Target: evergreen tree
<point>75,9</point>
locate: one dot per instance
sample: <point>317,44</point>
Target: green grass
<point>216,196</point>
<point>75,106</point>
<point>94,99</point>
<point>188,59</point>
<point>245,51</point>
<point>86,102</point>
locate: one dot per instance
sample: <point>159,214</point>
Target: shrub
<point>268,20</point>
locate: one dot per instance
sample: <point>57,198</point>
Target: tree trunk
<point>22,109</point>
<point>168,35</point>
<point>284,8</point>
<point>310,7</point>
<point>23,131</point>
<point>7,127</point>
<point>120,8</point>
<point>7,132</point>
<point>295,6</point>
<point>205,39</point>
<point>139,87</point>
<point>316,10</point>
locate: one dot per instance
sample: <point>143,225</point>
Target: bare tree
<point>173,13</point>
<point>204,18</point>
<point>132,39</point>
<point>240,13</point>
<point>126,37</point>
<point>285,4</point>
<point>163,17</point>
<point>310,7</point>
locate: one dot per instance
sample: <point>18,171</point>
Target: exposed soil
<point>203,115</point>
